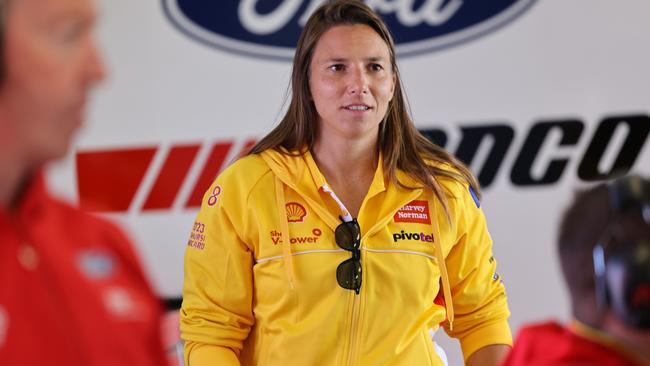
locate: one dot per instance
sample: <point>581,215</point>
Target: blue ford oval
<point>270,28</point>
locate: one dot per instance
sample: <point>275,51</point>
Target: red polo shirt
<point>71,289</point>
<point>551,344</point>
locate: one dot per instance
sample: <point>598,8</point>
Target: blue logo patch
<point>474,197</point>
<point>271,28</point>
<point>96,264</point>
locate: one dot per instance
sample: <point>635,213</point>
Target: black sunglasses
<point>348,273</point>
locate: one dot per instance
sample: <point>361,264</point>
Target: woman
<point>330,243</point>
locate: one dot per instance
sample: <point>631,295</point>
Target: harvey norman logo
<point>414,212</point>
<point>270,28</point>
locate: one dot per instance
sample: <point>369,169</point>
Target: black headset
<point>622,267</point>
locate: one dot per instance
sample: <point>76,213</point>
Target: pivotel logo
<point>271,28</point>
<point>427,238</point>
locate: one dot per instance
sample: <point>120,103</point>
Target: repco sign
<point>155,178</point>
<point>270,28</point>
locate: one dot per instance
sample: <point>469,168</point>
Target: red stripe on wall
<point>108,180</point>
<point>246,147</point>
<point>171,177</point>
<point>210,170</point>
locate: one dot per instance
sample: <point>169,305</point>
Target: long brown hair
<point>401,144</point>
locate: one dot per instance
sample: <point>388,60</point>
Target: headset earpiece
<point>602,300</point>
<point>622,268</point>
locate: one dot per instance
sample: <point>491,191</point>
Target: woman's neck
<point>341,161</point>
<point>349,168</point>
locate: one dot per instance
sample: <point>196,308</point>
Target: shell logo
<point>295,212</point>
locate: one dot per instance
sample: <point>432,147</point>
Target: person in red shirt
<point>604,249</point>
<point>72,291</point>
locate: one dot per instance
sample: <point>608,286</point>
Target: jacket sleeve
<point>216,314</point>
<point>479,297</point>
<point>207,354</point>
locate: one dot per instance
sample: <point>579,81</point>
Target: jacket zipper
<point>353,327</point>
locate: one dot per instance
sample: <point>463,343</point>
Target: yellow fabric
<point>286,246</point>
<point>207,354</point>
<point>444,275</point>
<point>237,292</point>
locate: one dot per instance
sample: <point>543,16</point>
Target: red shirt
<point>71,290</point>
<point>550,344</point>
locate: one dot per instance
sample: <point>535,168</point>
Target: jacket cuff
<point>493,333</point>
<point>201,354</point>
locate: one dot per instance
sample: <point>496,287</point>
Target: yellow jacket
<point>254,298</point>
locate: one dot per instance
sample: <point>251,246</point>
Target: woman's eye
<point>376,67</point>
<point>337,67</point>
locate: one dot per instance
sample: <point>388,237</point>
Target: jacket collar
<point>598,336</point>
<point>31,198</point>
<point>298,171</point>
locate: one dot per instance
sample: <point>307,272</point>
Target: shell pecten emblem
<point>295,212</point>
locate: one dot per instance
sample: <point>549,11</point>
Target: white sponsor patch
<point>119,302</point>
<point>4,325</point>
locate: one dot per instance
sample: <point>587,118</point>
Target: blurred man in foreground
<point>604,248</point>
<point>71,289</point>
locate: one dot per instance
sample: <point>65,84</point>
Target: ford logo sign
<point>270,28</point>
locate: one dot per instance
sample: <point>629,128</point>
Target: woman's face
<point>351,82</point>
